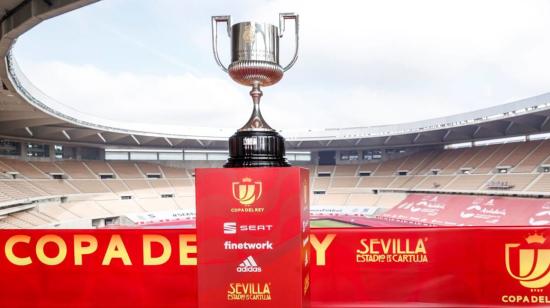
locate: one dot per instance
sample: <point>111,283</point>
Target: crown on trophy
<point>255,63</point>
<point>535,238</point>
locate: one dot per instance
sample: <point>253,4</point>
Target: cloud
<point>169,99</point>
<point>361,63</point>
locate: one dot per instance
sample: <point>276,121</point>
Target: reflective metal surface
<point>256,121</point>
<point>255,62</point>
<point>254,49</point>
<point>254,41</point>
<point>250,72</point>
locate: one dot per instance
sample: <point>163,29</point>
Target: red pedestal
<point>253,237</point>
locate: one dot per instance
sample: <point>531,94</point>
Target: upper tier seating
<point>126,170</point>
<point>47,167</point>
<point>534,159</point>
<point>23,168</point>
<point>513,167</point>
<point>76,170</point>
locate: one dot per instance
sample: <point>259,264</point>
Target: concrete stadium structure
<point>33,115</point>
<point>110,172</point>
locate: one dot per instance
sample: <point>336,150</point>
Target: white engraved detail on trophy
<point>250,142</point>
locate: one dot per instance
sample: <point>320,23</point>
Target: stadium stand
<point>23,168</point>
<point>76,170</point>
<point>44,191</point>
<point>50,192</point>
<point>468,182</point>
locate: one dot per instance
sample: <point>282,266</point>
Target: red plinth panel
<point>253,237</point>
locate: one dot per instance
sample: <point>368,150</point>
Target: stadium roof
<point>28,114</point>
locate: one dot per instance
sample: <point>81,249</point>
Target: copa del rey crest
<point>247,191</point>
<point>529,264</point>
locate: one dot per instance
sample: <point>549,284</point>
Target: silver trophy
<point>255,63</point>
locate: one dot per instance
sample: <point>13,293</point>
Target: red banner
<point>253,232</point>
<point>437,266</point>
<point>469,266</point>
<point>460,210</point>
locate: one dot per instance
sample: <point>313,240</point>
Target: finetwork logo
<point>229,245</point>
<point>249,265</point>
<point>233,228</point>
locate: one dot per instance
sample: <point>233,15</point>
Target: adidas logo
<point>249,266</point>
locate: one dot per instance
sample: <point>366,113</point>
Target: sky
<point>361,63</point>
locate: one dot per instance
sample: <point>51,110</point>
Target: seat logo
<point>246,191</point>
<point>230,228</point>
<point>531,267</point>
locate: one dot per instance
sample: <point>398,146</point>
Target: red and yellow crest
<point>246,191</point>
<point>531,266</point>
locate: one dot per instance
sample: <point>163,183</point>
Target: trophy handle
<point>282,20</point>
<point>215,21</point>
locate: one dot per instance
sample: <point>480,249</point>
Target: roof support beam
<point>66,134</point>
<point>101,138</point>
<point>415,138</point>
<point>447,133</point>
<point>168,141</point>
<point>387,140</point>
<point>358,141</point>
<point>135,139</point>
<point>29,131</point>
<point>478,129</point>
<point>508,127</point>
<point>544,122</point>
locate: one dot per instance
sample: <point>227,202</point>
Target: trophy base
<point>255,148</point>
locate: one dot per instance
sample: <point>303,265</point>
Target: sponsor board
<point>468,267</point>
<point>252,221</point>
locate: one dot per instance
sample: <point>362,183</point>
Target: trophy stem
<point>256,121</point>
<point>256,144</point>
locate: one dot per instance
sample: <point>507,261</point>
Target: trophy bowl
<point>255,54</point>
<point>255,63</point>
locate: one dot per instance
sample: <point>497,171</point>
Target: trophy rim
<point>244,71</point>
<point>255,22</point>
